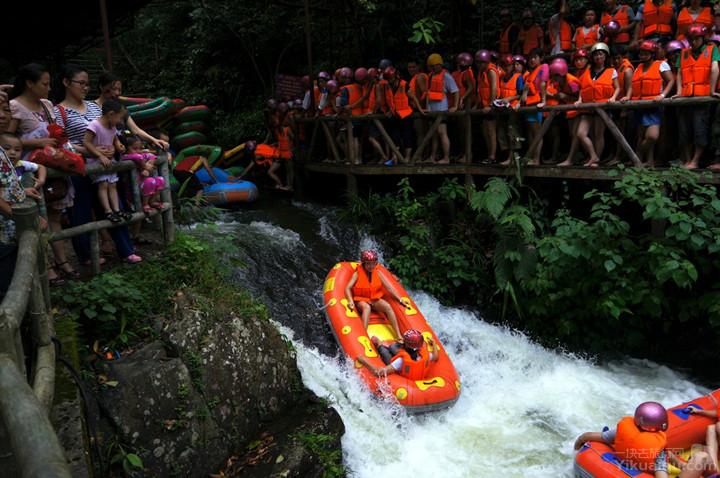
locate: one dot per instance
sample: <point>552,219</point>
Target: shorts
<point>535,117</point>
<point>694,125</point>
<point>651,117</point>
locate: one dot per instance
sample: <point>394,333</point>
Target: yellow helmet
<point>434,59</point>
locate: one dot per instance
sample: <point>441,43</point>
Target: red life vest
<point>638,447</point>
<point>553,88</point>
<point>684,20</point>
<point>621,74</point>
<point>623,20</point>
<point>565,36</point>
<point>368,90</point>
<point>657,18</point>
<point>367,289</point>
<point>354,94</point>
<point>284,143</point>
<point>400,99</point>
<point>413,369</point>
<point>414,88</point>
<point>530,38</point>
<point>388,105</point>
<point>483,85</point>
<point>264,154</point>
<point>462,77</point>
<point>588,39</point>
<point>599,90</point>
<point>533,96</point>
<point>647,84</point>
<point>505,40</point>
<point>696,72</point>
<point>508,88</point>
<point>436,92</point>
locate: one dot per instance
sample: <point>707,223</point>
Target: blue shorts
<point>533,117</point>
<point>651,118</point>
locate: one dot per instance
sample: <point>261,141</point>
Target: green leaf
<point>134,460</point>
<point>609,265</point>
<point>89,313</point>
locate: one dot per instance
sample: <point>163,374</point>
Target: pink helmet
<point>697,30</point>
<point>651,417</point>
<point>346,72</point>
<point>361,74</point>
<point>506,60</point>
<point>558,67</point>
<point>368,255</point>
<point>250,145</point>
<point>413,338</point>
<point>611,28</point>
<point>323,75</point>
<point>518,59</point>
<point>581,53</point>
<point>673,46</point>
<point>483,56</point>
<point>373,73</point>
<point>332,86</point>
<point>464,59</point>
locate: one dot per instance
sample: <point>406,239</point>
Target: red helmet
<point>413,338</point>
<point>368,255</point>
<point>611,28</point>
<point>558,67</point>
<point>250,145</point>
<point>332,86</point>
<point>464,59</point>
<point>389,72</point>
<point>651,417</point>
<point>506,60</point>
<point>519,59</point>
<point>346,72</point>
<point>361,74</point>
<point>581,53</point>
<point>648,45</point>
<point>483,56</point>
<point>373,73</point>
<point>673,46</point>
<point>697,30</point>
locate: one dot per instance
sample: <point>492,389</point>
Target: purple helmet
<point>250,145</point>
<point>715,38</point>
<point>323,75</point>
<point>464,59</point>
<point>673,46</point>
<point>651,417</point>
<point>518,59</point>
<point>611,28</point>
<point>346,72</point>
<point>483,56</point>
<point>332,86</point>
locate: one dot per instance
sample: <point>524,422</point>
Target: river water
<point>521,406</point>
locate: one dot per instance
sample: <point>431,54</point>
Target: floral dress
<point>11,191</point>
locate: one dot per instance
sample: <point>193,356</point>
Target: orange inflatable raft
<point>598,460</point>
<point>438,390</point>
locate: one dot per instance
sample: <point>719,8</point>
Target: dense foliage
<point>640,272</point>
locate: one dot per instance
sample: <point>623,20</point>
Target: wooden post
<point>619,137</point>
<point>389,140</point>
<point>137,200</point>
<point>467,119</point>
<point>313,140</point>
<point>350,143</point>
<point>426,139</point>
<point>95,252</point>
<point>106,35</point>
<point>331,142</point>
<point>541,133</point>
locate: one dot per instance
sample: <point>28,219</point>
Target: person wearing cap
<point>443,96</point>
<point>509,31</point>
<point>535,94</point>
<point>366,290</point>
<point>510,88</point>
<point>410,358</point>
<point>697,76</point>
<point>531,35</point>
<point>599,84</point>
<point>693,13</point>
<point>639,441</point>
<point>488,77</point>
<point>625,18</point>
<point>560,32</point>
<point>652,80</point>
<point>562,89</point>
<point>589,33</point>
<point>655,20</point>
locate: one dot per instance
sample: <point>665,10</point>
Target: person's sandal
<point>113,217</point>
<point>124,215</point>
<point>70,274</point>
<point>57,281</point>
<point>133,259</point>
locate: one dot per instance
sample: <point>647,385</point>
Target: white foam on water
<point>520,410</point>
<point>283,236</point>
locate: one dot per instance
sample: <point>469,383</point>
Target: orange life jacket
<point>623,20</point>
<point>413,369</point>
<point>354,94</point>
<point>565,36</point>
<point>508,88</point>
<point>696,72</point>
<point>483,85</point>
<point>284,143</point>
<point>388,105</point>
<point>264,154</point>
<point>684,20</point>
<point>400,100</point>
<point>367,289</point>
<point>621,74</point>
<point>462,77</point>
<point>368,85</point>
<point>647,84</point>
<point>530,38</point>
<point>415,88</point>
<point>597,91</point>
<point>533,96</point>
<point>436,92</point>
<point>657,18</point>
<point>553,88</point>
<point>583,40</point>
<point>637,447</point>
<point>505,40</point>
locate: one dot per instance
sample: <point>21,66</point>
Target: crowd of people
<point>101,131</point>
<point>656,52</point>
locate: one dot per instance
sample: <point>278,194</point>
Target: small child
<point>150,186</point>
<point>102,142</point>
<point>14,150</point>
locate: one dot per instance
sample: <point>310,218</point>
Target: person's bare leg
<point>113,197</point>
<point>695,161</point>
<point>364,312</point>
<point>271,172</point>
<point>711,441</point>
<point>103,197</point>
<point>378,148</point>
<point>647,148</point>
<point>445,140</point>
<point>58,247</point>
<point>696,467</point>
<point>383,307</point>
<point>583,131</point>
<point>599,137</point>
<point>574,122</point>
<point>490,135</point>
<point>534,129</point>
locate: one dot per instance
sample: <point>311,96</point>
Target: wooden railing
<point>26,395</point>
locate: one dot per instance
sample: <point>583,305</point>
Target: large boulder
<point>215,384</point>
